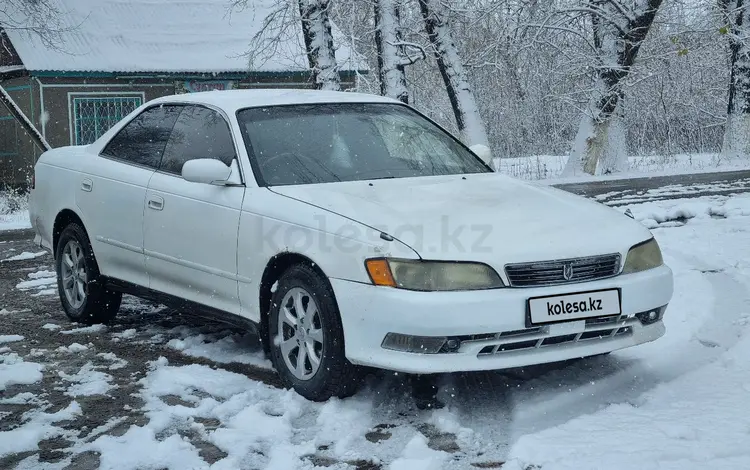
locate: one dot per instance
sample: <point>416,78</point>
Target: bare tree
<point>316,30</point>
<point>40,18</point>
<point>393,53</point>
<point>451,68</point>
<point>737,29</point>
<point>619,32</point>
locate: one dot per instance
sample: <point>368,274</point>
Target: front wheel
<point>82,293</point>
<point>307,338</point>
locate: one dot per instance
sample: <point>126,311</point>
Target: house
<point>110,56</point>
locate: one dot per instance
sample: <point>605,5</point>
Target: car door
<point>112,191</point>
<point>190,229</point>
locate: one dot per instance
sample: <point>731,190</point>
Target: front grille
<point>547,273</point>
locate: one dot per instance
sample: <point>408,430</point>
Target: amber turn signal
<point>380,272</point>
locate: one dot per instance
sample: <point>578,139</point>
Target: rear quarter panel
<point>56,176</point>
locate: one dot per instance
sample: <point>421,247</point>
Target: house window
<point>93,116</point>
<point>8,137</point>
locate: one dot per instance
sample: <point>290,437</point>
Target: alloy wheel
<point>300,333</point>
<point>74,274</point>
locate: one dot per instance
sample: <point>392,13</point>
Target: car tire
<point>83,295</point>
<point>318,331</point>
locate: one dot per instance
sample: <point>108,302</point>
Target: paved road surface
<point>615,192</point>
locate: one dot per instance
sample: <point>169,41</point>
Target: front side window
<point>198,133</point>
<point>325,143</point>
<point>143,139</point>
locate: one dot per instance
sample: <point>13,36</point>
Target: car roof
<point>232,100</point>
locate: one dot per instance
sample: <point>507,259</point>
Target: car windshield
<point>326,143</point>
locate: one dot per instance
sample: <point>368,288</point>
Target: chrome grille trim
<point>550,273</point>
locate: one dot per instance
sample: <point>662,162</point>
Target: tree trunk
<point>391,55</point>
<point>619,32</point>
<point>737,130</point>
<point>316,30</point>
<point>449,63</point>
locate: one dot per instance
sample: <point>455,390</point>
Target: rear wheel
<point>82,292</point>
<point>307,338</point>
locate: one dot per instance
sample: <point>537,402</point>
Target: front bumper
<point>484,319</point>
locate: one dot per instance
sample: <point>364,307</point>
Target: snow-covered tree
<point>737,29</point>
<point>619,30</point>
<point>316,30</point>
<point>455,78</point>
<point>393,53</point>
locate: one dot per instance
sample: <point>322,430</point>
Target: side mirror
<point>482,151</point>
<point>207,171</point>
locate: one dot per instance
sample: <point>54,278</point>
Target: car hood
<point>483,217</point>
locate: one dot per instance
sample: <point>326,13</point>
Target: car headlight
<point>643,256</point>
<point>432,275</point>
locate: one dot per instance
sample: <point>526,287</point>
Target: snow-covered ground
<point>550,167</point>
<point>14,212</point>
<point>678,403</point>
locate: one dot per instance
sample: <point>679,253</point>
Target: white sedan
<point>349,230</point>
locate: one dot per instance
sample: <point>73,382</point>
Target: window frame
<point>254,160</point>
<point>74,95</point>
<point>221,114</point>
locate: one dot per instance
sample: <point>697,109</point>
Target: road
<point>626,191</point>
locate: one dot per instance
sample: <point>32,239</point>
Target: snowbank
<point>14,214</point>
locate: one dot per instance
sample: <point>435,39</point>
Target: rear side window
<point>143,139</point>
<point>198,133</point>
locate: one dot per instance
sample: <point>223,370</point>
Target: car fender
<point>272,224</point>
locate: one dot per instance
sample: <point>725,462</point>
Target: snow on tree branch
<point>316,30</point>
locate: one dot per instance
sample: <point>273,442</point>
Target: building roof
<point>233,100</point>
<point>10,68</point>
<point>172,36</point>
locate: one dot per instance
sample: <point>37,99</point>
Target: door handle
<point>156,203</point>
<point>87,185</point>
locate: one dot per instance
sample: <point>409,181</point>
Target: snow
<point>87,381</point>
<point>40,280</point>
<point>139,449</point>
<point>243,349</point>
<point>14,370</point>
<point>15,221</point>
<point>147,35</point>
<point>51,326</point>
<point>25,255</point>
<point>417,456</point>
<point>393,76</point>
<point>550,167</point>
<point>469,120</point>
<point>117,363</point>
<point>73,348</point>
<point>10,338</point>
<point>127,334</point>
<point>38,427</point>
<point>316,22</point>
<point>86,330</point>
